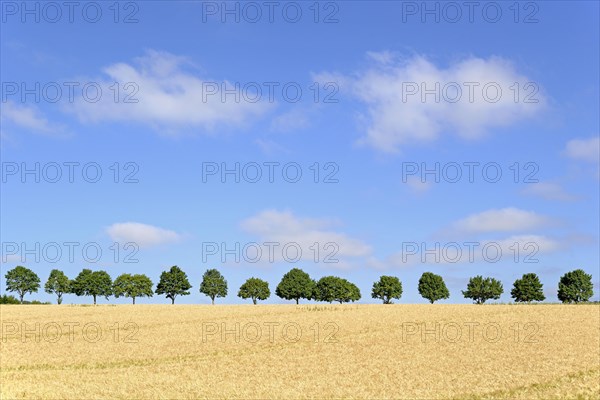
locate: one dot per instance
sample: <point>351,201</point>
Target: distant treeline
<point>573,287</point>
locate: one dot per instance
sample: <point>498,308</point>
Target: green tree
<point>333,288</point>
<point>173,283</point>
<point>213,284</point>
<point>22,280</point>
<point>432,287</point>
<point>92,283</point>
<point>575,286</point>
<point>327,288</point>
<point>528,289</point>
<point>57,283</point>
<point>352,293</point>
<point>133,286</point>
<point>295,285</point>
<point>386,289</point>
<point>481,289</point>
<point>255,289</point>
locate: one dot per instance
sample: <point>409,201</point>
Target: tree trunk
<point>213,300</point>
<point>297,300</point>
<point>94,299</point>
<point>172,300</point>
<point>254,301</point>
<point>59,299</point>
<point>21,295</point>
<point>133,300</point>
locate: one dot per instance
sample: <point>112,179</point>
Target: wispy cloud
<point>548,191</point>
<point>473,97</point>
<point>417,186</point>
<point>285,227</point>
<point>141,234</point>
<point>167,97</point>
<point>270,147</point>
<point>29,117</point>
<point>587,150</point>
<point>514,249</point>
<point>292,120</point>
<point>489,236</point>
<point>501,220</point>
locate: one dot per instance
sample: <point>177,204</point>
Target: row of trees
<point>574,287</point>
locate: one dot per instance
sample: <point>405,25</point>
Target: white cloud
<point>397,118</point>
<point>542,244</point>
<point>548,191</point>
<point>472,248</point>
<point>169,99</point>
<point>28,117</point>
<point>501,220</point>
<point>290,121</point>
<point>467,241</point>
<point>584,149</point>
<point>382,57</point>
<point>417,186</point>
<point>270,147</point>
<point>5,137</point>
<point>284,227</point>
<point>141,234</point>
<point>516,249</point>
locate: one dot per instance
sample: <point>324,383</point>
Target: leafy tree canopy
<point>575,287</point>
<point>333,288</point>
<point>432,287</point>
<point>132,286</point>
<point>92,283</point>
<point>528,289</point>
<point>295,285</point>
<point>386,289</point>
<point>173,283</point>
<point>481,289</point>
<point>213,284</point>
<point>22,280</point>
<point>255,289</point>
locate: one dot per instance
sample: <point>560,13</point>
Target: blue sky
<point>388,92</point>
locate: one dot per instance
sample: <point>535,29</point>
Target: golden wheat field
<point>300,352</point>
